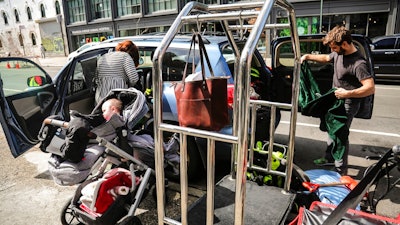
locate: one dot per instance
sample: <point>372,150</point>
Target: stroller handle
<point>63,124</point>
<point>55,122</point>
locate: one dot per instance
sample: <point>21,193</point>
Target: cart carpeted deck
<point>264,205</point>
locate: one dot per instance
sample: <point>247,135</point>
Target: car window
<point>229,55</point>
<point>174,62</point>
<point>17,74</point>
<point>387,43</point>
<point>83,74</point>
<point>285,55</point>
<point>147,56</point>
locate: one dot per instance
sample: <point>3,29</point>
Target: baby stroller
<point>113,193</point>
<point>122,174</point>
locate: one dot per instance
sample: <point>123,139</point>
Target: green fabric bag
<point>309,89</point>
<point>327,107</point>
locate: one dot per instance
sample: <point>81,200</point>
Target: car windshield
<point>174,61</point>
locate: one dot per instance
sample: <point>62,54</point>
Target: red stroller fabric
<point>104,196</point>
<point>319,211</point>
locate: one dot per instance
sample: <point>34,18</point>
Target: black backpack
<point>76,140</point>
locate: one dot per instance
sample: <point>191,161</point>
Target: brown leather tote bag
<point>202,104</point>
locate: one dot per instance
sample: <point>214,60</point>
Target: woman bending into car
<point>117,69</point>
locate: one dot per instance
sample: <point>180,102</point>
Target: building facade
<point>368,17</point>
<point>25,25</point>
<point>96,20</point>
<point>62,26</point>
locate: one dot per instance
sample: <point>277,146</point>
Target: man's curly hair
<point>338,35</point>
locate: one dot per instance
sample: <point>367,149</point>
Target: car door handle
<point>45,100</point>
<point>389,53</point>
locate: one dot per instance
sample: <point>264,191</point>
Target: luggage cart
<point>244,202</point>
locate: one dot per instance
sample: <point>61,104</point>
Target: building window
<point>101,9</point>
<point>208,2</point>
<point>16,15</point>
<point>128,7</point>
<point>42,11</point>
<point>160,5</point>
<point>21,40</point>
<point>376,25</point>
<point>329,22</point>
<point>5,18</point>
<point>29,13</point>
<point>33,38</point>
<point>58,9</point>
<point>76,9</point>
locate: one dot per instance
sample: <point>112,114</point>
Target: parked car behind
<point>80,49</point>
<point>26,105</point>
<point>386,57</point>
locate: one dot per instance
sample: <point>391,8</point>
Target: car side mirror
<point>141,61</point>
<point>36,81</point>
<point>372,47</point>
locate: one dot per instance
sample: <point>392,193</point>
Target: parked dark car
<point>386,57</point>
<point>29,94</point>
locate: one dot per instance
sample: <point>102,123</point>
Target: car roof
<point>182,37</point>
<point>378,38</point>
<point>154,41</point>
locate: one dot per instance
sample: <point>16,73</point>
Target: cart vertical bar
<point>242,83</point>
<point>210,180</point>
<point>295,90</point>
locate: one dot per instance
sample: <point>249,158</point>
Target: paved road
<point>367,138</point>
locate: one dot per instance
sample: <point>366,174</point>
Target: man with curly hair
<point>352,80</point>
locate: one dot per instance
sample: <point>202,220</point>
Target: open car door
<point>283,61</point>
<point>27,96</point>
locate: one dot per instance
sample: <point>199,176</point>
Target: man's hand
<point>341,93</point>
<point>304,58</point>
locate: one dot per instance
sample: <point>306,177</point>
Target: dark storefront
<point>97,20</point>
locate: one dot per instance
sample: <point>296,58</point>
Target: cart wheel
<point>68,215</point>
<point>132,220</point>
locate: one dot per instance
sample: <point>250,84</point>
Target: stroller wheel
<point>132,220</point>
<point>68,215</point>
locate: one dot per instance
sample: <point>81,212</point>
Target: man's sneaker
<point>340,168</point>
<point>323,162</point>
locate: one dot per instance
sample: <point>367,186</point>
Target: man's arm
<point>367,88</point>
<point>322,58</point>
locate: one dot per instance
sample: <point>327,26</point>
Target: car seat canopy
<point>134,105</point>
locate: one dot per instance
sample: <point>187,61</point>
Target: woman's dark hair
<point>130,48</point>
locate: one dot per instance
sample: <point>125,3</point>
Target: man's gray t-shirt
<point>349,70</point>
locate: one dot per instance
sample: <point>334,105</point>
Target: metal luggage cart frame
<point>239,138</point>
